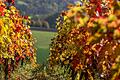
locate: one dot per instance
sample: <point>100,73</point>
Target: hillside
<point>43,12</point>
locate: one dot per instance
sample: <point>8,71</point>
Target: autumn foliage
<point>16,42</point>
<point>88,40</point>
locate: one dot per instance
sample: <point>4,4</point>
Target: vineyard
<point>86,45</point>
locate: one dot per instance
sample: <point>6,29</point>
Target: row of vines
<point>87,44</point>
<point>16,42</point>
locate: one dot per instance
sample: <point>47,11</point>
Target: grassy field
<point>42,44</point>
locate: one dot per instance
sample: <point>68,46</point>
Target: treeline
<point>43,12</point>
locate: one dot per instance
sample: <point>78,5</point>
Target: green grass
<point>42,44</point>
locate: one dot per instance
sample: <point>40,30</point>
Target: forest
<point>42,12</point>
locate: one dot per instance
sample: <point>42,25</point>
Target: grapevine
<point>88,40</point>
<point>16,41</point>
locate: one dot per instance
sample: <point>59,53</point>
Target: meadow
<point>42,44</point>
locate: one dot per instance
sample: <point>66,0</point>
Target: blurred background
<point>43,14</point>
